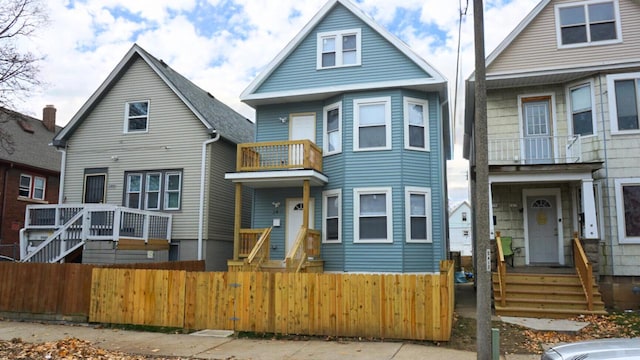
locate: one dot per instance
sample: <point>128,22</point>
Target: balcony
<point>535,150</point>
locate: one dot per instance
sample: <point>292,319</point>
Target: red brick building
<point>29,171</point>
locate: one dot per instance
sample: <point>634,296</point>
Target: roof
<point>457,207</point>
<point>214,115</point>
<point>30,141</point>
<point>437,80</point>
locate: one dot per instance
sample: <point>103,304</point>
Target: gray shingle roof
<point>30,148</point>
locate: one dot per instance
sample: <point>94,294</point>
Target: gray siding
<point>103,252</point>
<point>539,40</point>
<point>381,61</point>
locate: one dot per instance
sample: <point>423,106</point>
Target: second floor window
<point>136,116</point>
<point>372,124</point>
<point>624,102</point>
<point>332,124</point>
<point>464,216</point>
<point>32,187</point>
<point>587,22</point>
<point>581,109</point>
<point>416,125</point>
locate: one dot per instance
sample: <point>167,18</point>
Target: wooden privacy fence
<point>402,306</point>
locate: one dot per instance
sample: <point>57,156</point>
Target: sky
<point>221,45</point>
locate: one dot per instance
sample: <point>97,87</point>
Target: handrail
<point>502,271</point>
<point>545,149</point>
<point>584,269</point>
<point>297,256</point>
<point>260,251</point>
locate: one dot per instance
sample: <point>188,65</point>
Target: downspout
<point>203,161</point>
<point>63,166</point>
<point>606,170</point>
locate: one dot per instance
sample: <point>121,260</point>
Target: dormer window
<point>339,48</point>
<point>586,23</point>
<point>136,117</point>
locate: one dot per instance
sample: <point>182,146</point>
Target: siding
<point>539,38</point>
<point>101,136</point>
<point>381,61</point>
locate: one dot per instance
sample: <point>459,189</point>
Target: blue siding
<point>381,60</point>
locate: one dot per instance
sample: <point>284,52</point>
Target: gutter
<point>63,166</point>
<point>203,161</point>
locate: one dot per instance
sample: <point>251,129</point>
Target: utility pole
<point>483,260</point>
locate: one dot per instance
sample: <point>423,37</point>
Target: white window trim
<point>616,11</point>
<point>126,117</point>
<point>140,192</point>
<point>146,190</point>
<point>325,195</point>
<point>594,115</point>
<point>44,188</point>
<point>553,129</point>
<point>611,96</point>
<point>425,117</point>
<point>338,35</point>
<point>325,137</point>
<point>407,204</point>
<point>356,213</point>
<point>622,238</point>
<point>167,191</point>
<point>387,122</point>
<point>30,185</point>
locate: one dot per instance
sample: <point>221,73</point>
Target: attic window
<point>339,48</point>
<point>136,118</point>
<point>587,23</point>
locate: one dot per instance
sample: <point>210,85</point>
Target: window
<point>581,109</point>
<point>336,49</point>
<point>464,216</point>
<point>465,232</point>
<point>332,129</point>
<point>416,124</point>
<point>32,187</point>
<point>331,215</point>
<point>624,102</point>
<point>418,212</point>
<point>628,209</point>
<point>372,124</point>
<point>372,215</point>
<point>136,116</point>
<point>587,23</point>
<point>153,190</point>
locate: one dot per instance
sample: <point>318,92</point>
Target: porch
<point>53,232</point>
<point>294,164</point>
<point>535,150</point>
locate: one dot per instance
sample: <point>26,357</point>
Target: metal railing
<point>279,155</point>
<point>53,231</point>
<point>584,270</point>
<point>535,150</point>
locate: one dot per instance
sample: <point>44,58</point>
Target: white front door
<point>295,208</point>
<point>301,127</point>
<point>537,131</point>
<point>543,227</point>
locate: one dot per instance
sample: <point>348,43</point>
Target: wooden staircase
<point>544,296</point>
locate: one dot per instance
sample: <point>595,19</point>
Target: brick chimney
<point>49,117</point>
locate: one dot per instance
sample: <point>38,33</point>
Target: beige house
<point>148,143</point>
<point>563,98</point>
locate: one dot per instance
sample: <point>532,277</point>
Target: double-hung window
<point>153,190</point>
<point>628,209</point>
<point>372,124</point>
<point>624,102</point>
<point>588,22</point>
<point>32,187</point>
<point>331,216</point>
<point>416,124</point>
<point>136,117</point>
<point>581,109</point>
<point>373,215</point>
<point>418,213</point>
<point>339,48</point>
<point>332,129</point>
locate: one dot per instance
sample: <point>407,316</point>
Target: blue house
<point>348,170</point>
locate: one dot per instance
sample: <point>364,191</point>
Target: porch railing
<point>502,271</point>
<point>584,270</point>
<point>260,252</point>
<point>306,246</point>
<point>51,232</point>
<point>535,150</point>
<point>279,155</point>
<point>248,240</point>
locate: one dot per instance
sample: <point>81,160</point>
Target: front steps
<point>544,296</point>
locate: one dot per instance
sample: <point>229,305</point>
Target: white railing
<point>53,231</point>
<point>535,150</point>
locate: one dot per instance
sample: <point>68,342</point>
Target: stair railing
<point>297,255</point>
<point>584,270</point>
<point>260,252</point>
<point>502,271</point>
<point>55,247</point>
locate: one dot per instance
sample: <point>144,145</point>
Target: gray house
<point>143,172</point>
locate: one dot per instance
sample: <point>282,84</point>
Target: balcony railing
<point>279,155</point>
<point>535,150</point>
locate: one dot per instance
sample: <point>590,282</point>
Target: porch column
<point>589,208</point>
<point>237,222</point>
<point>491,229</point>
<point>305,202</point>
